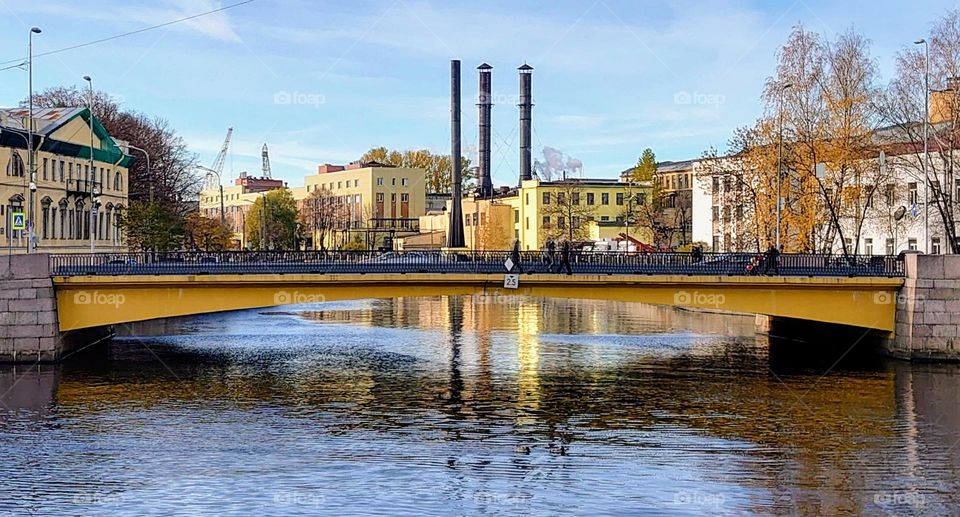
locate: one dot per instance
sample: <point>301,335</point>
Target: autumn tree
<point>273,222</point>
<point>566,212</point>
<point>171,175</point>
<point>902,107</point>
<point>152,227</point>
<point>319,215</point>
<point>206,234</point>
<point>438,167</point>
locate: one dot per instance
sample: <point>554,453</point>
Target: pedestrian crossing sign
<point>19,221</point>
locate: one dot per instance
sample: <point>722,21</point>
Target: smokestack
<point>455,228</point>
<point>486,102</point>
<point>526,110</point>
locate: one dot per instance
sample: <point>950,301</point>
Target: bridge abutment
<point>29,325</point>
<point>928,310</point>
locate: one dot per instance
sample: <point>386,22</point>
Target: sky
<point>322,82</point>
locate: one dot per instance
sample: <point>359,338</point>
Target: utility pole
<point>30,158</point>
<point>92,175</point>
<point>780,163</point>
<point>926,153</point>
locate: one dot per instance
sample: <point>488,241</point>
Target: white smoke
<point>557,165</point>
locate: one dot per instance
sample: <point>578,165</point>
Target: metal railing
<point>581,262</point>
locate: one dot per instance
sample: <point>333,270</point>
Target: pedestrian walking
<point>565,258</point>
<point>551,257</point>
<point>515,258</point>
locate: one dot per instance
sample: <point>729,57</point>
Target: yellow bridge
<point>98,300</point>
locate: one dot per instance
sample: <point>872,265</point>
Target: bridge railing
<point>400,262</point>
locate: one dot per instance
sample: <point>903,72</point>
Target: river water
<point>470,405</point>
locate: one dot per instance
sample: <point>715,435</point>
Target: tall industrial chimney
<point>526,110</point>
<point>485,103</point>
<point>455,238</point>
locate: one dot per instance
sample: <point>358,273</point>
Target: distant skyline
<point>325,81</point>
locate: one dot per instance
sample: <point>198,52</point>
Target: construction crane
<point>217,168</point>
<point>265,167</point>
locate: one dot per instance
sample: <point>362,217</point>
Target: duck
<point>522,449</point>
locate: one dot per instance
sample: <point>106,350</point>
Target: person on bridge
<point>772,262</point>
<point>515,258</point>
<point>565,258</point>
<point>551,258</point>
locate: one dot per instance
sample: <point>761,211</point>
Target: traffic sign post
<point>19,221</point>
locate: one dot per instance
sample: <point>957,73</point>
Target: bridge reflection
<point>561,371</point>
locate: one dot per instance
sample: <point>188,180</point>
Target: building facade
<point>81,182</point>
<point>340,204</point>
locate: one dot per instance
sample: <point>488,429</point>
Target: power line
<point>22,61</point>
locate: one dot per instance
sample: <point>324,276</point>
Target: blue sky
<point>324,81</point>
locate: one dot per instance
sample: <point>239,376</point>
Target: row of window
<point>590,198</point>
<point>63,223</point>
<point>63,171</point>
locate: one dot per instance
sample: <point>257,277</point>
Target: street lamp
<point>926,155</point>
<point>220,183</point>
<point>149,173</point>
<point>783,88</point>
<point>92,174</point>
<point>30,159</point>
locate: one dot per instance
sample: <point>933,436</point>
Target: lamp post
<point>220,183</point>
<point>149,173</point>
<point>783,88</point>
<point>926,155</point>
<point>30,159</point>
<point>92,174</point>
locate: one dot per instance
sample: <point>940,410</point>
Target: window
<point>957,189</point>
<point>393,181</point>
<point>716,212</point>
<point>561,222</point>
<point>912,244</point>
<point>46,215</point>
<point>868,246</point>
<point>379,197</point>
<point>912,193</point>
<point>891,194</point>
<point>70,171</point>
<point>546,221</point>
<point>575,198</point>
<point>619,198</point>
<point>45,173</point>
<point>15,165</point>
<point>404,198</point>
<point>404,181</point>
<point>562,197</point>
<point>516,216</point>
<point>890,249</point>
<point>604,217</point>
<point>739,212</point>
<point>590,198</point>
<point>935,245</point>
<point>526,198</point>
<point>605,198</point>
<point>716,184</point>
<point>526,223</point>
<point>379,182</point>
<point>642,198</point>
<point>546,198</point>
<point>356,183</point>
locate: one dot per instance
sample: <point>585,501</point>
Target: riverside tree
<point>273,222</point>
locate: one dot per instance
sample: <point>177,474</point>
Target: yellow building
<point>67,187</point>
<point>372,201</point>
<point>584,209</point>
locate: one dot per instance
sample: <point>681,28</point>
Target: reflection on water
<point>474,405</point>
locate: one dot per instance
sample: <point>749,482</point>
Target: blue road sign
<point>19,221</point>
